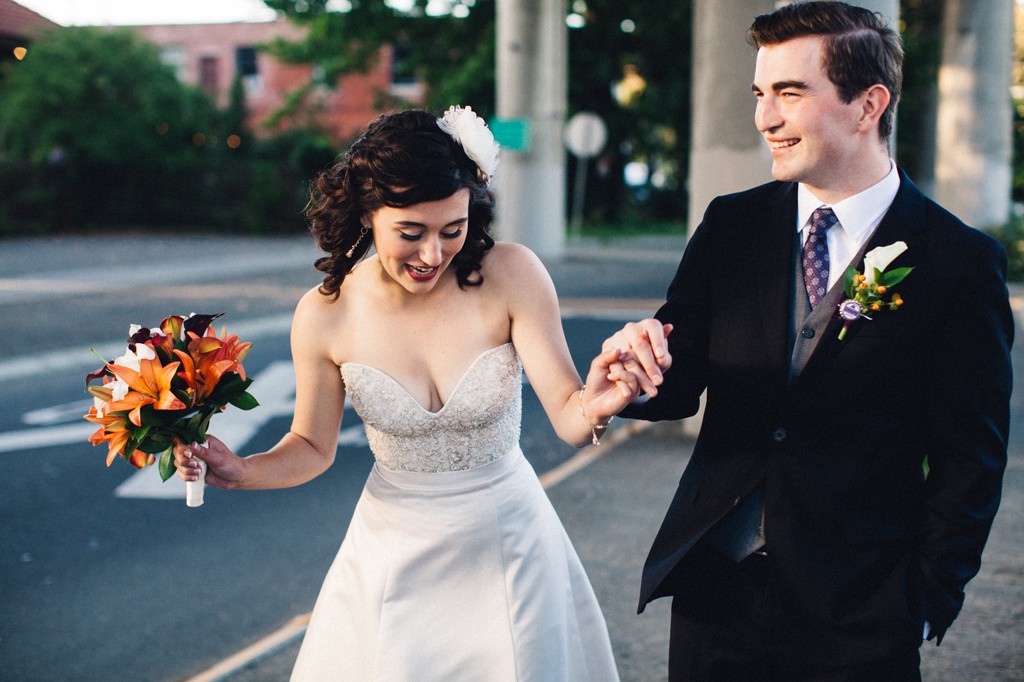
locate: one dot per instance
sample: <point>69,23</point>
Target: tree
<point>453,54</point>
<point>96,130</point>
<point>90,95</point>
<point>630,64</point>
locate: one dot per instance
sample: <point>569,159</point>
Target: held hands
<point>632,362</point>
<point>643,347</point>
<point>224,467</point>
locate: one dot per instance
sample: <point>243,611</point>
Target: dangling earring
<point>363,231</point>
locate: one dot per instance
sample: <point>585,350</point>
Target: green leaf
<point>190,433</point>
<point>245,401</point>
<point>894,277</point>
<point>131,445</point>
<point>166,464</point>
<point>155,444</point>
<point>848,281</point>
<point>230,385</point>
<point>202,426</point>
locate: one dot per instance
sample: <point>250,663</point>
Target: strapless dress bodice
<point>478,424</point>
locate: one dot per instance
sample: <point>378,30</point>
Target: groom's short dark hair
<point>859,48</point>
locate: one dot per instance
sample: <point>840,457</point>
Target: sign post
<point>585,136</point>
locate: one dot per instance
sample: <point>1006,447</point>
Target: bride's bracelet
<point>596,430</point>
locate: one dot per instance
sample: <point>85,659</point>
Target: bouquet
<point>166,388</point>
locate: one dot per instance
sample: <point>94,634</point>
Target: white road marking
<point>274,388</point>
<point>28,439</point>
<point>82,358</point>
<point>86,280</point>
<point>58,414</point>
<point>353,436</point>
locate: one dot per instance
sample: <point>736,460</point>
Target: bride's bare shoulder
<point>510,261</point>
<point>319,310</point>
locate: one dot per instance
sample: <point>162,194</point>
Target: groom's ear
<point>873,103</point>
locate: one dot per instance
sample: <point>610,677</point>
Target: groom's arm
<point>686,309</point>
<point>970,423</point>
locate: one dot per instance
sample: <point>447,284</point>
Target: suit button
<point>807,333</point>
<point>779,435</point>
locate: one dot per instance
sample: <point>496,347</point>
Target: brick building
<point>19,26</point>
<point>210,55</point>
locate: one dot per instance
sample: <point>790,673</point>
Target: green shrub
<point>1011,236</point>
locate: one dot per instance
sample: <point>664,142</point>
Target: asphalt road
<point>102,570</point>
<point>100,585</point>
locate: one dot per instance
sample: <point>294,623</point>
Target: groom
<point>840,491</point>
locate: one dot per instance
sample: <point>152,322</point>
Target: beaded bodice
<point>478,424</point>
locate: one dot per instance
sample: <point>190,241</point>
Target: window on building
<point>209,74</point>
<point>403,77</point>
<point>174,57</point>
<point>401,64</point>
<point>247,67</point>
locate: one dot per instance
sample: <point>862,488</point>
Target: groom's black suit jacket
<point>863,547</point>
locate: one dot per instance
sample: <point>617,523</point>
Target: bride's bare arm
<point>540,342</point>
<point>307,450</point>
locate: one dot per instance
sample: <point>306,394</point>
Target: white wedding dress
<point>455,565</point>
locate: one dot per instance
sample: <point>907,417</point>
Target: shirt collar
<point>857,215</point>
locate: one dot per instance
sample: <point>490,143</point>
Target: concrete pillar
<point>727,153</point>
<point>532,65</point>
<point>890,12</point>
<point>973,172</point>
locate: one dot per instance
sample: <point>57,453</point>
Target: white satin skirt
<point>460,575</point>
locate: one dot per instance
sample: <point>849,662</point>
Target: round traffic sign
<point>585,134</point>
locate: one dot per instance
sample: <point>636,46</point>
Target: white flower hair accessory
<point>476,139</point>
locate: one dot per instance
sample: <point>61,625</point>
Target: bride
<point>455,565</point>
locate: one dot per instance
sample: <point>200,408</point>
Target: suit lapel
<point>904,221</point>
<point>775,273</point>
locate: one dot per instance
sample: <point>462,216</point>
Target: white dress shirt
<point>858,216</point>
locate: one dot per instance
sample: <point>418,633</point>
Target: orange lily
<point>210,359</point>
<point>115,434</point>
<point>172,326</point>
<point>169,332</point>
<point>151,385</point>
<point>112,431</point>
<point>188,375</point>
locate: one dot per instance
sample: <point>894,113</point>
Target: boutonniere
<point>866,292</point>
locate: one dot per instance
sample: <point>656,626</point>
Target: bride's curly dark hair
<point>400,160</point>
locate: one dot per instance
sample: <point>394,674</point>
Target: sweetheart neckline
<point>455,390</point>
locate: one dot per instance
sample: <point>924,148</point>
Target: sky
<point>141,12</point>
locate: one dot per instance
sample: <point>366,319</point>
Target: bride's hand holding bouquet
<point>163,392</point>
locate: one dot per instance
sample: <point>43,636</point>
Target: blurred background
<point>154,159</point>
<point>214,116</point>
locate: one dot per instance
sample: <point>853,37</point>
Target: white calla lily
<point>879,258</point>
<point>119,387</point>
<point>129,360</point>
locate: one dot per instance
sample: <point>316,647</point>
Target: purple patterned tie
<point>815,254</point>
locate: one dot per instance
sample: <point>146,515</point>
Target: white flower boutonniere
<point>476,139</point>
<point>867,292</point>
